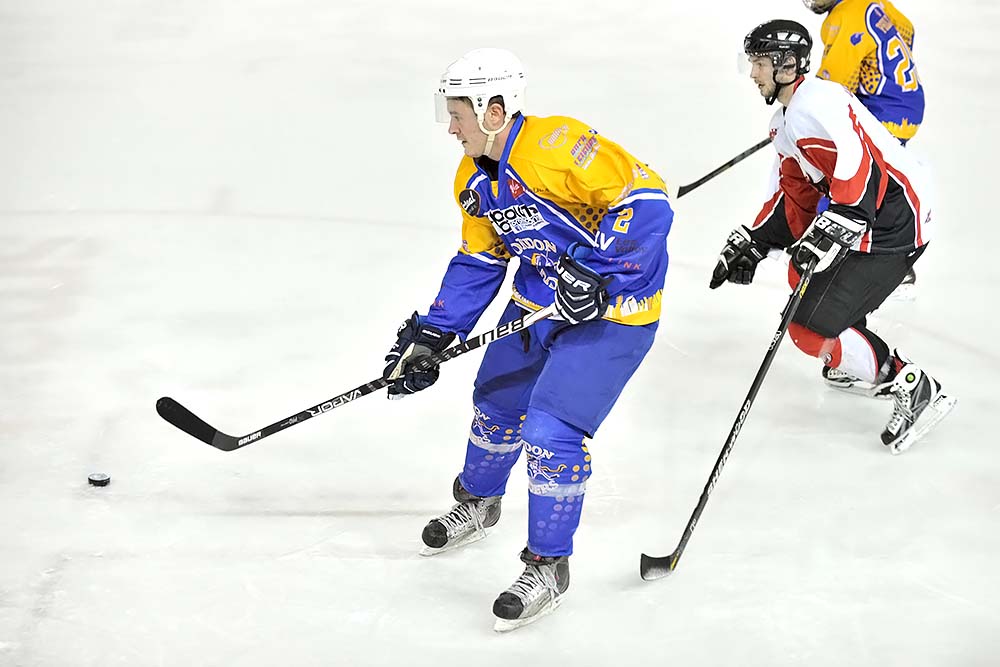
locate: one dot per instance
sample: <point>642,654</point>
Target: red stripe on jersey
<point>801,197</point>
<point>853,190</point>
<point>866,241</point>
<point>768,209</point>
<point>821,153</point>
<point>914,201</point>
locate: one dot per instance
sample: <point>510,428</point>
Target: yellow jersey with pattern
<point>558,182</point>
<point>868,47</point>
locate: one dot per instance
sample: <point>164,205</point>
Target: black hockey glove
<point>581,293</point>
<point>414,341</point>
<point>827,241</point>
<point>738,260</point>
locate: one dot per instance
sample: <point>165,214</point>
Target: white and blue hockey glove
<point>581,293</point>
<point>827,241</point>
<point>414,341</point>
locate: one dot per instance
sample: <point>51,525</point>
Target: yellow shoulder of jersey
<point>903,24</point>
<point>846,43</point>
<point>567,161</point>
<point>478,235</point>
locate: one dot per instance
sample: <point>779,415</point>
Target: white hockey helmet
<point>819,6</point>
<point>480,75</point>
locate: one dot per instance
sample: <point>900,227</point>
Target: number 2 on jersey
<point>906,71</point>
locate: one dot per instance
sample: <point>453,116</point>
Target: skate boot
<point>838,379</point>
<point>907,289</point>
<point>463,524</point>
<point>918,404</point>
<point>536,593</point>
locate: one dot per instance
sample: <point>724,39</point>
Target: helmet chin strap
<point>778,87</point>
<point>491,135</point>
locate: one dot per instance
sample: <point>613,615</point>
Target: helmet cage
<point>777,40</point>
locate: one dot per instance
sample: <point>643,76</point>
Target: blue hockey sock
<point>558,468</point>
<point>494,445</point>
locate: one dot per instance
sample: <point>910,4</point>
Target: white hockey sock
<point>857,357</point>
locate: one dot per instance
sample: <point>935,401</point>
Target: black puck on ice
<point>99,479</point>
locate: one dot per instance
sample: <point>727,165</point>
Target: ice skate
<point>534,594</point>
<point>907,290</point>
<point>841,381</point>
<point>918,404</point>
<point>463,524</point>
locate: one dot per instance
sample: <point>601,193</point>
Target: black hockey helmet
<point>777,39</point>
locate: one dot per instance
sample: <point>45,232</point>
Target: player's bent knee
<point>810,342</point>
<point>558,459</point>
<point>495,429</point>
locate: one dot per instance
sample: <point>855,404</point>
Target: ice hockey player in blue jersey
<point>587,223</point>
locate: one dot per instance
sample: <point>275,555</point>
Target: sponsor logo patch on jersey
<point>527,244</point>
<point>555,139</point>
<point>470,201</point>
<point>516,189</point>
<point>516,219</point>
<point>585,150</point>
<point>856,38</point>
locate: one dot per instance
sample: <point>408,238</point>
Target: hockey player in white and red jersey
<point>877,225</point>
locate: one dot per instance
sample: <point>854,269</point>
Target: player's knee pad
<point>814,344</point>
<point>558,459</point>
<point>494,446</point>
<point>494,429</point>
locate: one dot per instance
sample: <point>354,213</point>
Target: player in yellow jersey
<point>868,47</point>
<point>587,222</point>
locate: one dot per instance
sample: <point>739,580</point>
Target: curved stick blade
<point>185,420</point>
<point>655,567</point>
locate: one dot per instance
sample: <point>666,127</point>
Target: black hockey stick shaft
<point>654,567</point>
<point>190,423</point>
<point>684,189</point>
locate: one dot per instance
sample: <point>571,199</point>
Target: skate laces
<point>535,580</point>
<point>461,515</point>
<point>837,374</point>
<point>902,408</point>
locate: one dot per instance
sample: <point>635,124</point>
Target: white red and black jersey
<point>828,143</point>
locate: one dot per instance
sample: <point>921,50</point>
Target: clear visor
<point>743,64</point>
<point>441,108</point>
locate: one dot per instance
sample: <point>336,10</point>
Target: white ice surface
<point>234,202</point>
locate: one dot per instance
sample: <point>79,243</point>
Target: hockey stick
<point>654,567</point>
<point>190,423</point>
<point>684,189</point>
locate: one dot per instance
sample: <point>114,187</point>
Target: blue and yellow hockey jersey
<point>557,182</point>
<point>868,47</point>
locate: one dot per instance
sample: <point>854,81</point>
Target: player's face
<point>762,73</point>
<point>465,126</point>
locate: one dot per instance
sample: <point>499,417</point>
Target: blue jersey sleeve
<point>469,285</point>
<point>632,250</point>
